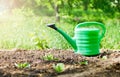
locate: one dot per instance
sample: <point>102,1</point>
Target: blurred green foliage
<point>23,24</point>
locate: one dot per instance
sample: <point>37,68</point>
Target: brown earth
<point>96,67</point>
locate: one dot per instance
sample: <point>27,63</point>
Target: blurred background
<point>23,22</point>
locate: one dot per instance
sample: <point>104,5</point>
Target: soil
<point>97,66</point>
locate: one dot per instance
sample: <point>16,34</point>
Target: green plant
<point>60,67</point>
<point>104,57</point>
<point>49,57</point>
<point>38,42</point>
<point>85,62</point>
<point>22,65</point>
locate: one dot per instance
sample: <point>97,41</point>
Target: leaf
<point>59,67</point>
<point>83,63</point>
<point>104,57</point>
<point>22,65</point>
<point>48,57</point>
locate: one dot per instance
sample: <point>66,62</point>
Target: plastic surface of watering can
<point>86,41</point>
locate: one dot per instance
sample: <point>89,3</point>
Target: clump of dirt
<point>107,64</point>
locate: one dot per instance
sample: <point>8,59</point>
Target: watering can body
<point>86,41</point>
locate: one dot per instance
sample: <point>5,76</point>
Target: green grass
<point>112,37</point>
<point>30,32</point>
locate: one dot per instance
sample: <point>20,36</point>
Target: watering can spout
<point>66,36</point>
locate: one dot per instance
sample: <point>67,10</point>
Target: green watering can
<point>86,41</point>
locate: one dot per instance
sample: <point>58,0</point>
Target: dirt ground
<point>107,64</point>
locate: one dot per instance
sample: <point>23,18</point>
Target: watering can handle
<point>93,23</point>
